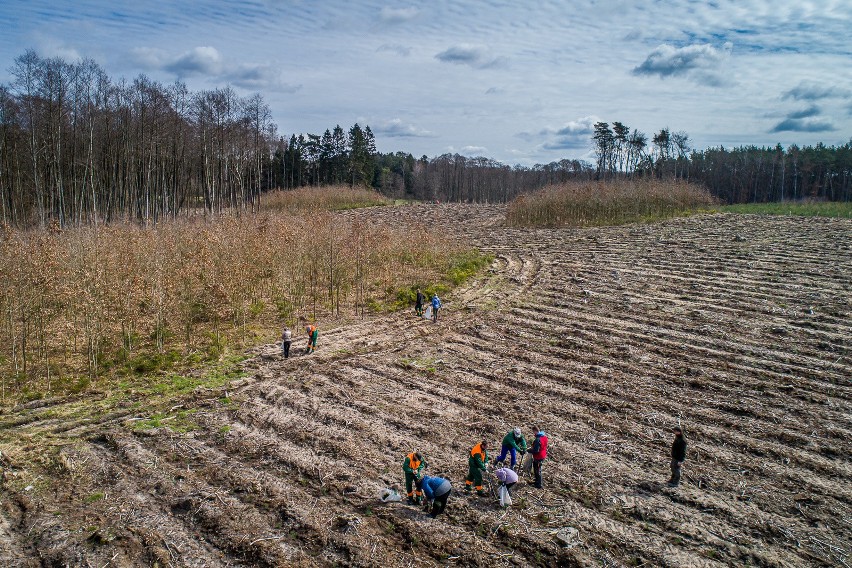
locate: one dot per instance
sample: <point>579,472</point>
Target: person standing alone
<point>286,340</point>
<point>678,456</point>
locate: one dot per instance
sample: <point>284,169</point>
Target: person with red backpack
<point>539,454</point>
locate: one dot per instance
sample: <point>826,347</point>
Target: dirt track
<point>737,326</point>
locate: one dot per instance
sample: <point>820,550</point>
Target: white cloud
<point>66,52</point>
<point>804,125</point>
<point>573,135</point>
<point>476,56</point>
<point>204,60</point>
<point>260,77</point>
<point>701,63</point>
<point>149,57</point>
<point>474,151</point>
<point>395,48</point>
<point>811,91</point>
<point>207,62</point>
<point>397,15</point>
<point>376,58</point>
<point>395,128</point>
<point>805,120</point>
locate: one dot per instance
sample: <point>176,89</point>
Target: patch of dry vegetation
<point>590,203</point>
<point>326,198</point>
<point>86,303</point>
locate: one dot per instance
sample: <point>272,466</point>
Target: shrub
<point>120,299</point>
<point>326,198</point>
<point>582,204</point>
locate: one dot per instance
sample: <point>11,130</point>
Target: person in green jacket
<point>413,469</point>
<point>313,332</point>
<point>513,442</point>
<point>476,465</point>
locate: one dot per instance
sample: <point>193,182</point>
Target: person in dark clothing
<point>418,304</point>
<point>539,454</point>
<point>678,455</point>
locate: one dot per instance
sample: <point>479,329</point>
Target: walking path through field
<point>738,327</point>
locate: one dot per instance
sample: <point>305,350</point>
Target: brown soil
<point>739,327</point>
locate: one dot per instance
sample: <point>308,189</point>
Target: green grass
<point>836,209</point>
<point>181,422</point>
<point>466,265</point>
<point>94,497</point>
<point>214,376</point>
<point>460,268</point>
<point>427,365</point>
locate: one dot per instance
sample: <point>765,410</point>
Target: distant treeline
<point>747,174</point>
<point>77,147</point>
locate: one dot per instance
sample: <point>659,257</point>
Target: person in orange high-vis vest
<point>413,468</point>
<point>313,331</point>
<point>476,465</point>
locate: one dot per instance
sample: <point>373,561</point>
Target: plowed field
<point>736,327</point>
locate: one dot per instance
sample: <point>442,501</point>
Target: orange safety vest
<point>413,462</point>
<point>477,449</point>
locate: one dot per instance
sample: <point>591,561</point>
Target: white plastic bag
<point>389,495</point>
<point>505,497</point>
<point>427,313</point>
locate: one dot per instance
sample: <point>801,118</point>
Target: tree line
<point>77,147</point>
<point>748,174</point>
<point>739,175</point>
<point>334,158</point>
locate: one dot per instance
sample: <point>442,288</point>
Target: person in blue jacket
<point>436,490</point>
<point>436,303</point>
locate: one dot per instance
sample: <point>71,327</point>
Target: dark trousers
<point>509,487</point>
<point>474,476</point>
<point>434,313</point>
<point>537,472</point>
<point>675,472</point>
<point>439,504</point>
<point>285,346</point>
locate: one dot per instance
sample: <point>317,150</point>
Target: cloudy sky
<point>520,82</point>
